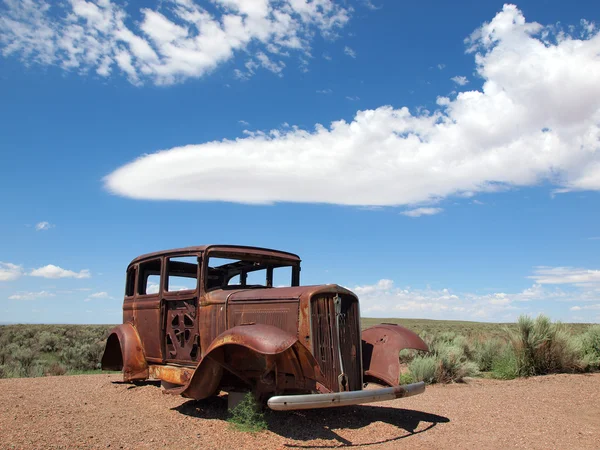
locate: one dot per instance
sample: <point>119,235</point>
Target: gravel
<point>98,411</point>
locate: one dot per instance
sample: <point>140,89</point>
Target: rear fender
<point>124,351</point>
<point>381,345</point>
<point>270,346</point>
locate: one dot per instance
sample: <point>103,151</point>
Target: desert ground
<point>99,411</point>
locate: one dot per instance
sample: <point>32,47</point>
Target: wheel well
<point>113,357</point>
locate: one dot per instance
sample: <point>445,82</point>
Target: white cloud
<point>441,66</point>
<point>324,91</point>
<point>326,57</point>
<point>537,119</point>
<point>243,122</point>
<point>352,98</point>
<point>418,212</point>
<point>52,271</point>
<point>31,295</point>
<point>9,271</point>
<point>383,299</point>
<point>566,275</point>
<point>43,226</point>
<point>348,51</point>
<point>178,40</point>
<point>460,80</point>
<point>585,307</point>
<point>152,288</point>
<point>98,295</point>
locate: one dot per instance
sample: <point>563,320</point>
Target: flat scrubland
<point>458,349</point>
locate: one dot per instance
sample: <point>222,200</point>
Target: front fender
<point>124,351</point>
<point>270,345</point>
<point>381,345</point>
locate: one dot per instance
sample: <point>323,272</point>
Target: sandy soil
<point>98,411</point>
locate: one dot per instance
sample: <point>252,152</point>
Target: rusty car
<point>214,318</point>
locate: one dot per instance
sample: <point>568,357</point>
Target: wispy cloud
<point>98,296</point>
<point>566,275</point>
<point>43,226</point>
<point>348,51</point>
<point>535,120</point>
<point>460,80</point>
<point>175,41</point>
<point>31,295</point>
<point>52,271</point>
<point>243,122</point>
<point>352,98</point>
<point>441,66</point>
<point>324,91</point>
<point>418,212</point>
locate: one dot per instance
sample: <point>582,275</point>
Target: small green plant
<point>247,416</point>
<point>406,378</point>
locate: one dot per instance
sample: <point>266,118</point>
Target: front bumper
<point>310,401</point>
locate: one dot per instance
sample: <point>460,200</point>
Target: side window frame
<point>142,278</point>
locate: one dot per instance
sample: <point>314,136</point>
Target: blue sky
<point>442,160</point>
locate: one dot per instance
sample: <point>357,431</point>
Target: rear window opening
<point>149,278</point>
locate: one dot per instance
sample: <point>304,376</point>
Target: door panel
<point>181,337</point>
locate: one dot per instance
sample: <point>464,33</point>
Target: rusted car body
<point>210,318</point>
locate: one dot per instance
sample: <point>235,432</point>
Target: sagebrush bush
<point>543,347</point>
<point>505,367</point>
<point>422,368</point>
<point>486,351</point>
<point>452,363</point>
<point>588,346</point>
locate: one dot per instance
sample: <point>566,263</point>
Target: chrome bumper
<point>310,401</point>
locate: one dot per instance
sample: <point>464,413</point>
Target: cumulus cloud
<point>178,40</point>
<point>52,271</point>
<point>43,226</point>
<point>9,271</point>
<point>384,299</point>
<point>460,80</point>
<point>418,212</point>
<point>31,295</point>
<point>536,119</point>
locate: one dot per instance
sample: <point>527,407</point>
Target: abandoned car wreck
<point>219,317</point>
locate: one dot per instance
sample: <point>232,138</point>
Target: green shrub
<point>452,363</point>
<point>588,345</point>
<point>486,351</point>
<point>422,368</point>
<point>543,347</point>
<point>505,367</point>
<point>247,415</point>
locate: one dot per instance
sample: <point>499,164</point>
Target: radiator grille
<point>328,344</point>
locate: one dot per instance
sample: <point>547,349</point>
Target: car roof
<point>218,247</point>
